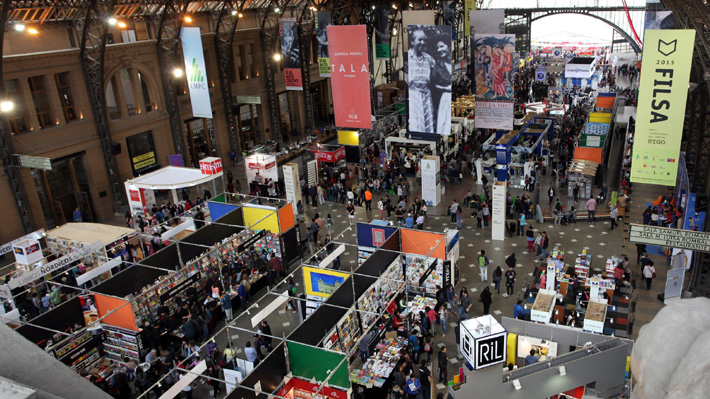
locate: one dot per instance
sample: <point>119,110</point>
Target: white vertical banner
<point>291,184</point>
<point>431,181</point>
<point>498,211</point>
<point>196,72</point>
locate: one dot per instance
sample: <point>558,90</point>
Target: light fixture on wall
<point>122,25</point>
<point>19,27</point>
<point>32,31</point>
<point>241,15</point>
<point>277,56</point>
<point>563,370</point>
<point>188,19</point>
<point>112,21</point>
<point>394,31</point>
<point>6,106</point>
<point>177,72</point>
<point>516,384</point>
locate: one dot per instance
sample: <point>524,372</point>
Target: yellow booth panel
<point>348,137</point>
<point>261,219</point>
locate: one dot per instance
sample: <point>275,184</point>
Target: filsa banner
<point>196,72</point>
<point>323,20</point>
<point>382,32</point>
<point>350,75</point>
<point>663,92</point>
<point>291,52</point>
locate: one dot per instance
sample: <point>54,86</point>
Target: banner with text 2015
<point>350,76</point>
<point>663,92</point>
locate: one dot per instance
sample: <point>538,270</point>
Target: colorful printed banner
<point>494,66</point>
<point>429,79</point>
<point>323,20</point>
<point>663,92</point>
<point>196,72</point>
<point>291,53</point>
<point>382,32</point>
<point>350,76</point>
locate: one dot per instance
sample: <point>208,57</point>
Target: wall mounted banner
<point>323,20</point>
<point>350,76</point>
<point>382,32</point>
<point>291,53</point>
<point>487,22</point>
<point>196,72</point>
<point>663,92</point>
<point>429,79</point>
<point>494,66</point>
<point>423,17</point>
<point>469,5</point>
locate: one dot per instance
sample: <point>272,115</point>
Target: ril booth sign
<point>330,156</point>
<point>483,342</point>
<point>211,166</point>
<point>663,92</point>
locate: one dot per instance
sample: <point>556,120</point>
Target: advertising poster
<point>382,32</point>
<point>429,79</point>
<point>449,14</point>
<point>350,76</point>
<point>423,17</point>
<point>487,22</point>
<point>323,20</point>
<point>663,92</point>
<point>498,212</point>
<point>469,5</point>
<point>291,53</point>
<point>494,55</point>
<point>657,16</point>
<point>322,282</point>
<point>196,72</point>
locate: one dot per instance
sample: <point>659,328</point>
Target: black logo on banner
<point>490,350</point>
<point>667,48</point>
<point>251,241</point>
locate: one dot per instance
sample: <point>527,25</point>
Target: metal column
<point>269,35</point>
<point>224,39</point>
<point>306,26</point>
<point>92,23</point>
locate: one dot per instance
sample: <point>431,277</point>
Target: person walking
<point>451,299</point>
<point>614,214</point>
<point>530,235</point>
<point>483,265</point>
<point>420,222</point>
<point>380,207</point>
<point>497,277</point>
<point>265,331</point>
<point>486,299</point>
<point>544,243</point>
<point>575,193</point>
<point>425,379</point>
<point>649,273</point>
<point>364,347</point>
<point>551,194</point>
<point>443,362</point>
<point>459,217</point>
<point>443,317</point>
<point>465,305</point>
<point>591,209</point>
<point>413,386</point>
<point>226,303</point>
<point>368,200</point>
<point>521,227</point>
<point>510,280</point>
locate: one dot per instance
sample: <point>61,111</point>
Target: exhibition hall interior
<point>355,199</point>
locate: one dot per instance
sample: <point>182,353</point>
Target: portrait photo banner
<point>421,17</point>
<point>494,66</point>
<point>663,93</point>
<point>350,76</point>
<point>494,115</point>
<point>291,53</point>
<point>428,73</point>
<point>196,72</point>
<point>323,20</point>
<point>382,32</point>
<point>487,22</point>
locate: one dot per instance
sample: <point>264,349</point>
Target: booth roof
<point>90,232</point>
<point>171,177</point>
<point>129,281</point>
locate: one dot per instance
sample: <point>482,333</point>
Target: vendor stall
<point>595,316</point>
<point>370,237</point>
<point>544,305</point>
<point>379,366</point>
<point>261,169</point>
<point>430,259</point>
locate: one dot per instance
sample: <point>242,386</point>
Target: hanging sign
<point>330,156</point>
<point>350,75</point>
<point>291,53</point>
<point>196,72</point>
<point>323,20</point>
<point>55,265</point>
<point>211,166</point>
<point>674,238</point>
<point>663,92</point>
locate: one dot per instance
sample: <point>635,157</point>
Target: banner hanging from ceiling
<point>422,17</point>
<point>291,53</point>
<point>494,69</point>
<point>350,76</point>
<point>663,92</point>
<point>323,20</point>
<point>487,22</point>
<point>196,72</point>
<point>382,32</point>
<point>429,79</point>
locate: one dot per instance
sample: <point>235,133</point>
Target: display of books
<point>380,294</point>
<point>417,265</point>
<point>381,364</point>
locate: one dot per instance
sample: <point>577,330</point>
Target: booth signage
<point>663,92</point>
<point>55,265</point>
<point>196,72</point>
<point>447,273</point>
<point>378,237</point>
<point>290,49</point>
<point>247,99</point>
<point>483,342</point>
<point>330,156</point>
<point>32,236</point>
<point>248,243</point>
<point>85,347</point>
<point>179,288</point>
<point>674,238</point>
<point>211,166</point>
<point>490,350</point>
<point>27,161</point>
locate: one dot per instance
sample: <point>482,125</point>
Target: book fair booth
<point>261,168</point>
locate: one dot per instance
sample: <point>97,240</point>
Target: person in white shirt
<point>649,272</point>
<point>420,222</point>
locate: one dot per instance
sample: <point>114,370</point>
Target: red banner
<point>330,156</point>
<point>292,77</point>
<point>306,386</point>
<point>350,76</point>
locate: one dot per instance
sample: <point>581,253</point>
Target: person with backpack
<point>414,346</point>
<point>497,277</point>
<point>510,280</point>
<point>427,349</point>
<point>483,265</point>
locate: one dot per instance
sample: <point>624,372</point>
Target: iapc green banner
<point>468,5</point>
<point>663,92</point>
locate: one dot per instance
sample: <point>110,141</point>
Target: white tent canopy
<point>172,177</point>
<point>90,232</point>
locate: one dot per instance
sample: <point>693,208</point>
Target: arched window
<point>129,88</point>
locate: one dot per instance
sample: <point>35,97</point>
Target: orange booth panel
<point>605,102</point>
<point>588,154</point>
<point>423,243</point>
<point>122,315</point>
<point>286,219</point>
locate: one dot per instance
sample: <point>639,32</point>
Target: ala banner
<point>663,92</point>
<point>196,72</point>
<point>350,76</point>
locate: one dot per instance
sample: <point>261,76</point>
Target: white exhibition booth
<point>140,189</point>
